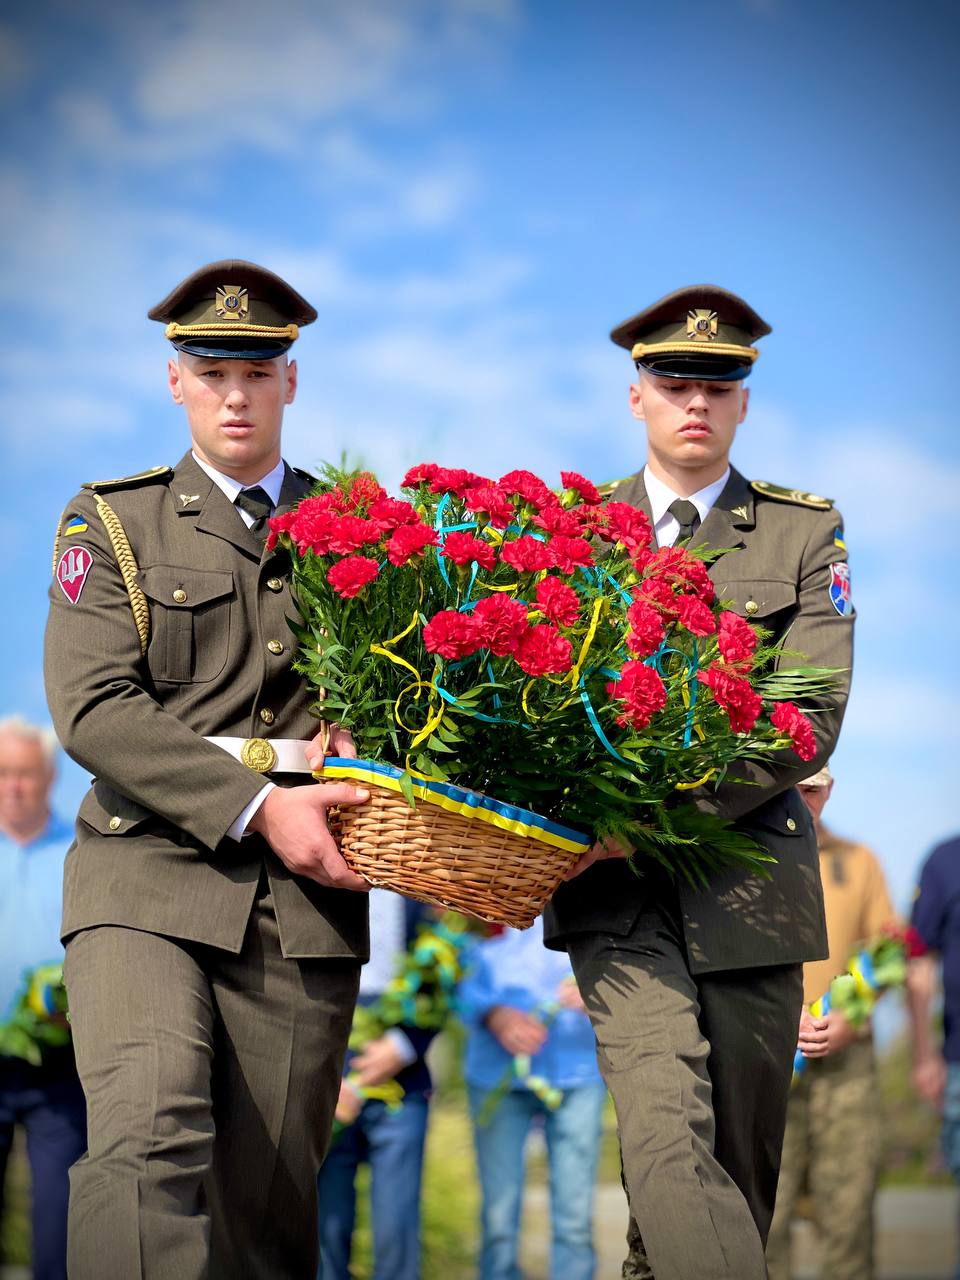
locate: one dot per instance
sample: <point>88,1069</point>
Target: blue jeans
<point>573,1144</point>
<point>48,1102</point>
<point>391,1142</point>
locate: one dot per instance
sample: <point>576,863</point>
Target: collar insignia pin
<point>739,511</point>
<point>187,498</point>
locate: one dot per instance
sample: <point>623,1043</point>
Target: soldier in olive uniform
<point>695,994</point>
<point>213,932</point>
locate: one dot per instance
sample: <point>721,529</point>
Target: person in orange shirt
<point>832,1142</point>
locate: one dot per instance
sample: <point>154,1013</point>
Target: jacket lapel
<point>730,515</point>
<point>197,498</point>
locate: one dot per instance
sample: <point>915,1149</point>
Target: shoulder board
<point>606,490</point>
<point>130,482</point>
<point>304,475</point>
<point>799,497</point>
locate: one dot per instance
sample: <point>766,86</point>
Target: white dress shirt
<point>666,526</point>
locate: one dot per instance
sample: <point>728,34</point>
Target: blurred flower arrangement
<point>39,1018</point>
<point>873,969</point>
<point>537,647</point>
<point>420,994</point>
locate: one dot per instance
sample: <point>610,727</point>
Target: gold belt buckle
<point>259,755</point>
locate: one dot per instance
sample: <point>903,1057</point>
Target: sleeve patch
<point>76,525</point>
<point>73,569</point>
<point>840,588</point>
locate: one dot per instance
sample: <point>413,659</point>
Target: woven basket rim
<point>471,805</point>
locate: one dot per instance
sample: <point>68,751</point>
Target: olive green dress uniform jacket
<point>151,850</point>
<point>778,556</point>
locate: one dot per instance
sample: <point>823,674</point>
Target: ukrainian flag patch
<point>76,525</point>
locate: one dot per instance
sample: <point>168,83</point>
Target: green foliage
<point>38,1020</point>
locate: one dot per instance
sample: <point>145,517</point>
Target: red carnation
<point>278,525</point>
<point>697,617</point>
<point>572,480</point>
<point>555,520</point>
<point>500,623</point>
<point>646,634</point>
<point>487,500</point>
<point>589,517</point>
<point>349,576</point>
<point>313,527</point>
<point>423,473</point>
<point>544,651</point>
<point>410,540</point>
<point>390,513</point>
<point>914,943</point>
<point>558,602</point>
<point>527,486</point>
<point>735,695</point>
<point>349,533</point>
<point>464,548</point>
<point>737,641</point>
<point>365,489</point>
<point>658,592</point>
<point>680,569</point>
<point>568,553</point>
<point>455,480</point>
<point>626,524</point>
<point>642,693</point>
<point>528,555</point>
<point>451,634</point>
<point>789,720</point>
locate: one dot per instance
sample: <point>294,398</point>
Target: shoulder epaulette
<point>304,475</point>
<point>799,497</point>
<point>606,490</point>
<point>130,482</point>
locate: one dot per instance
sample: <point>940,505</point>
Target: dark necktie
<point>255,502</point>
<point>687,517</point>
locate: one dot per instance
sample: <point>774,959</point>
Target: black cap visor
<point>697,368</point>
<point>233,348</point>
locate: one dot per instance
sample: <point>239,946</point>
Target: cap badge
<point>702,325</point>
<point>232,302</point>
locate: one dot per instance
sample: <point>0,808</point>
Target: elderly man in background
<point>45,1098</point>
<point>832,1142</point>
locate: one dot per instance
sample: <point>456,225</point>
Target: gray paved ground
<point>917,1235</point>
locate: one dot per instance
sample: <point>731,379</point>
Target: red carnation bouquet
<point>536,647</point>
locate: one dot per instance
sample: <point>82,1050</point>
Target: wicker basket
<point>455,849</point>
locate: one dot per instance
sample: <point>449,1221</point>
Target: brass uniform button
<point>751,607</point>
<point>179,595</point>
<point>275,584</point>
<point>791,824</point>
<point>275,646</point>
<point>114,824</point>
<point>266,715</point>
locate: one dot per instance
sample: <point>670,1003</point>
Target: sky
<point>472,193</point>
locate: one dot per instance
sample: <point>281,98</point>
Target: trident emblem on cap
<point>232,302</point>
<point>702,325</point>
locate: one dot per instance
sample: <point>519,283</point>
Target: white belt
<point>263,755</point>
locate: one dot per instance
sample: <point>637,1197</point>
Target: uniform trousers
<point>211,1080</point>
<point>699,1069</point>
<point>832,1146</point>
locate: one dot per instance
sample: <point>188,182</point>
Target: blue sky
<point>472,192</point>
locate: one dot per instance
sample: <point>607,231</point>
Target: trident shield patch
<point>840,588</point>
<point>73,568</point>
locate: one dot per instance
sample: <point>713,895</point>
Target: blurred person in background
<point>389,1139</point>
<point>936,1065</point>
<point>520,1001</point>
<point>46,1099</point>
<point>832,1141</point>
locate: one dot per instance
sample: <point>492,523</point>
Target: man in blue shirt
<point>520,1000</point>
<point>46,1099</point>
<point>936,918</point>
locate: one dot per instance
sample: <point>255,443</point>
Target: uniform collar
<point>271,483</point>
<point>661,495</point>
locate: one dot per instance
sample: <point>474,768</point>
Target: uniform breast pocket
<point>189,621</point>
<point>770,602</point>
